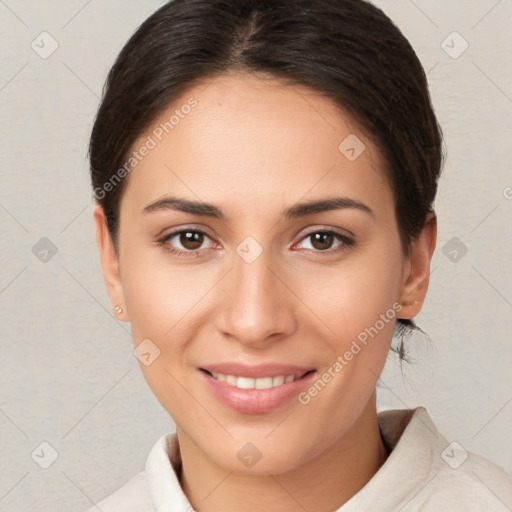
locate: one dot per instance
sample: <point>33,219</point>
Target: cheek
<point>353,295</point>
<point>359,305</point>
<point>162,302</point>
<point>160,295</point>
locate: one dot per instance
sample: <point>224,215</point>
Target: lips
<point>246,389</point>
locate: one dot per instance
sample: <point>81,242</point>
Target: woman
<point>265,172</point>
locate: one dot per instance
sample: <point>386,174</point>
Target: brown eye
<point>186,242</point>
<point>322,241</point>
<point>191,240</point>
<point>325,241</point>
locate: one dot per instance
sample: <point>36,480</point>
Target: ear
<point>417,269</point>
<point>109,263</point>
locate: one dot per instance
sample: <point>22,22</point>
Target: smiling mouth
<point>256,383</point>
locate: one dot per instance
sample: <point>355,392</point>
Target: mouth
<point>256,383</point>
<point>259,390</point>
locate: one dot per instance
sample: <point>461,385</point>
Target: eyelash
<point>347,242</point>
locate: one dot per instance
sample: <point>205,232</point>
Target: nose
<point>257,307</point>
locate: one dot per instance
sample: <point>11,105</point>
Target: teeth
<point>278,380</point>
<point>231,380</point>
<point>249,383</point>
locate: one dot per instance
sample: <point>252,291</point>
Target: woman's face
<point>247,284</point>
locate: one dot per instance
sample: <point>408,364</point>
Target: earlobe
<point>416,281</point>
<point>109,263</point>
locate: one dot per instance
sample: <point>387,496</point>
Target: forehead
<point>249,138</point>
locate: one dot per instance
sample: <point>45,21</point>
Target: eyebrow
<point>298,210</point>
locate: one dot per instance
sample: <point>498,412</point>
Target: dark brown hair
<point>348,50</point>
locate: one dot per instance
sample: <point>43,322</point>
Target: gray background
<point>68,374</point>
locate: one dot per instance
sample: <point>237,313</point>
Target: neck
<point>323,484</point>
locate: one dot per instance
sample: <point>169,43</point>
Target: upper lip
<point>256,371</point>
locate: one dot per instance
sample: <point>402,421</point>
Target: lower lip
<point>255,401</point>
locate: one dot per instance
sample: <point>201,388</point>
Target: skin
<point>253,147</point>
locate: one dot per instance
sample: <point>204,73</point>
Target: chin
<point>258,457</point>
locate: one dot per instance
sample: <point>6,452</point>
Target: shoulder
<point>466,481</point>
<point>453,478</point>
<point>425,472</point>
<point>131,497</point>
